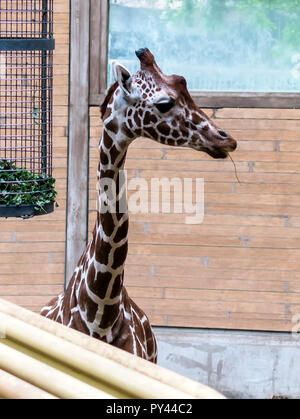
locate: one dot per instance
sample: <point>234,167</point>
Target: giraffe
<point>154,105</point>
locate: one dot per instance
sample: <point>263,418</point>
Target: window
<point>232,52</point>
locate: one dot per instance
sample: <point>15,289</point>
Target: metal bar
<point>47,378</point>
<point>44,18</point>
<point>44,89</point>
<point>44,110</point>
<point>27,44</point>
<point>142,378</point>
<point>25,211</point>
<point>12,387</point>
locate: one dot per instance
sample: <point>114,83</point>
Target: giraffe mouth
<point>217,148</point>
<point>217,154</point>
<point>221,151</point>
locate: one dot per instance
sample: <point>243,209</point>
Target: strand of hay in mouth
<point>235,169</point>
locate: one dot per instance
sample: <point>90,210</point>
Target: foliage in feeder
<point>26,93</point>
<point>19,187</point>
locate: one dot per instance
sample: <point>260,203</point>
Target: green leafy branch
<point>18,187</point>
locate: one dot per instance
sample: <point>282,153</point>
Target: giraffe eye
<point>165,106</point>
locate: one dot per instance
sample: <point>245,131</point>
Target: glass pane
<point>218,45</point>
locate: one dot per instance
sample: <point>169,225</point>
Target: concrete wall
<point>239,364</point>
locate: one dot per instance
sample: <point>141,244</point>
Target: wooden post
<point>78,149</point>
<point>98,50</point>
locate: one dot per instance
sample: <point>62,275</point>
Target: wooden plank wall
<point>240,269</point>
<point>32,252</point>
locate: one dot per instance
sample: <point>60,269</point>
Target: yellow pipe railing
<point>12,387</point>
<point>43,359</point>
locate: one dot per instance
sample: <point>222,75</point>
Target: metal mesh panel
<point>26,110</point>
<point>26,19</point>
<point>26,89</point>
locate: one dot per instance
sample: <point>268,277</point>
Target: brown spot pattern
<point>164,129</point>
<point>120,256</point>
<point>147,118</point>
<point>122,232</point>
<point>103,250</point>
<point>91,274</point>
<point>152,132</point>
<point>110,315</point>
<point>110,174</point>
<point>196,119</point>
<point>78,324</point>
<point>117,287</point>
<point>107,223</point>
<point>114,154</point>
<point>108,142</point>
<point>103,158</point>
<point>126,131</point>
<point>100,285</point>
<point>137,119</point>
<point>153,119</point>
<point>113,126</point>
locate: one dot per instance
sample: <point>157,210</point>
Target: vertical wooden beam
<point>78,148</point>
<point>98,50</point>
<point>104,12</point>
<point>95,46</point>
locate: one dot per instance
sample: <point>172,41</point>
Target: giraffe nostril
<point>223,134</point>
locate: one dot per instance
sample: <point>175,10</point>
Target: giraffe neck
<point>108,247</point>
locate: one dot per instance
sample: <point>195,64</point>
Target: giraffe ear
<point>122,76</point>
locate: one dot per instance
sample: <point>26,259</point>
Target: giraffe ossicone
<point>154,105</point>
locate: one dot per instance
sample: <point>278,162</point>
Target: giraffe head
<point>160,107</point>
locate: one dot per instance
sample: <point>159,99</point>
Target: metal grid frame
<point>31,19</point>
<point>26,89</point>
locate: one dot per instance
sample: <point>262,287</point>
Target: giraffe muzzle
<point>220,149</point>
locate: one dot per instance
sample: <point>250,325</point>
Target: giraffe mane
<point>108,97</point>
